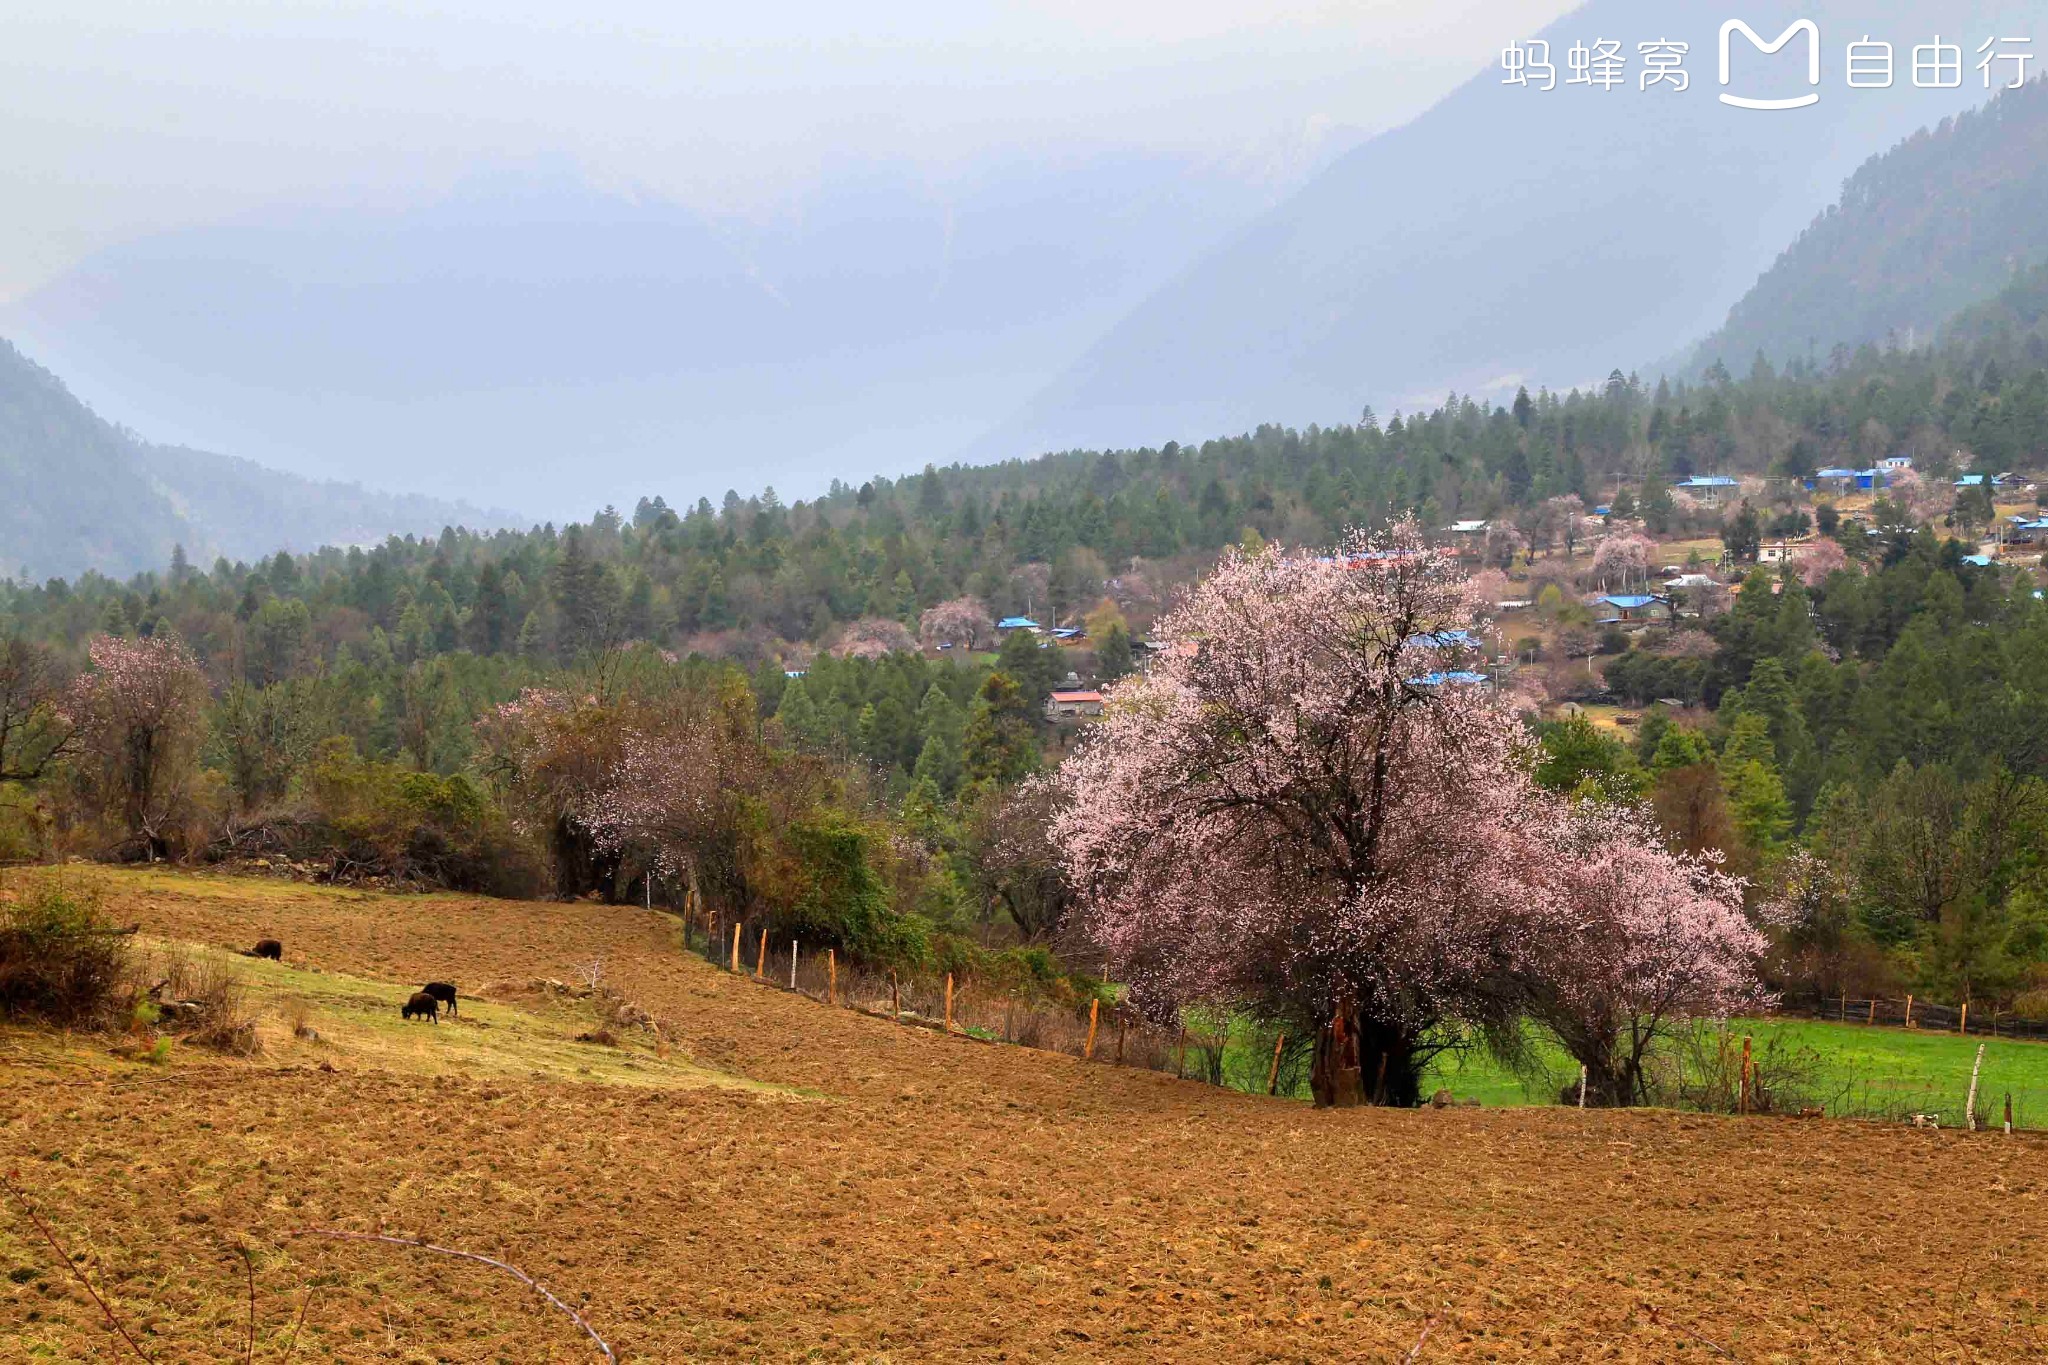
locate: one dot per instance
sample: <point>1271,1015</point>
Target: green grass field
<point>1849,1070</point>
<point>1854,1070</point>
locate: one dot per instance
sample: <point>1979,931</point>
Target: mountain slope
<point>78,493</point>
<point>1505,235</point>
<point>2012,322</point>
<point>1937,223</point>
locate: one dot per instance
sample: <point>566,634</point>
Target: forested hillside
<point>78,493</point>
<point>1939,222</point>
<point>759,580</point>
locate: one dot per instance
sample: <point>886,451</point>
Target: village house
<point>1065,704</point>
<point>1631,608</point>
<point>1710,489</point>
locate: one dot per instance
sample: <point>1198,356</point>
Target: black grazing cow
<point>268,947</point>
<point>443,992</point>
<point>421,1006</point>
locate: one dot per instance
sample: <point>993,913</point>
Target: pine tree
<point>1001,744</point>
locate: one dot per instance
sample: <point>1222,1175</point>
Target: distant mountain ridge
<point>1936,224</point>
<point>1505,236</point>
<point>575,343</point>
<point>78,493</point>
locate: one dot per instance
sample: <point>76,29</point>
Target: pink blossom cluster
<point>1629,930</point>
<point>1619,560</point>
<point>150,683</point>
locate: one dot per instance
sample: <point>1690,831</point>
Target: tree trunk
<point>580,866</point>
<point>1362,1060</point>
<point>1335,1078</point>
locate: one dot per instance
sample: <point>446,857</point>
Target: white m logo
<point>1806,26</point>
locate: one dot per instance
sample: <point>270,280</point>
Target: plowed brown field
<point>890,1194</point>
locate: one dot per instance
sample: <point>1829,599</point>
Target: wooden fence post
<point>1970,1105</point>
<point>2008,1113</point>
<point>761,959</point>
<point>949,1002</point>
<point>735,948</point>
<point>1088,1049</point>
<point>1582,1085</point>
<point>1909,1011</point>
<point>792,964</point>
<point>1742,1103</point>
<point>1873,1009</point>
<point>1273,1072</point>
<point>831,976</point>
<point>1963,1024</point>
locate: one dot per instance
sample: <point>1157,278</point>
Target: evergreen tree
<point>1000,745</point>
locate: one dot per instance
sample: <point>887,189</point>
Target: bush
<point>60,960</point>
<point>841,898</point>
<point>371,820</point>
<point>204,1001</point>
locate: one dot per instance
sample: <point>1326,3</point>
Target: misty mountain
<point>79,493</point>
<point>1939,222</point>
<point>571,345</point>
<point>1509,235</point>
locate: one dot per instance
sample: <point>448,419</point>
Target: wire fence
<point>1908,1012</point>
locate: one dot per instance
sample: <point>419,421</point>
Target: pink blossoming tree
<point>1633,939</point>
<point>1286,818</point>
<point>1620,561</point>
<point>141,711</point>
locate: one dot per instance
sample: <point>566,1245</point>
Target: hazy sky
<point>122,117</point>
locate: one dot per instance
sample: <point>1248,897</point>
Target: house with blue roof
<point>1978,561</point>
<point>1625,608</point>
<point>1016,623</point>
<point>1708,488</point>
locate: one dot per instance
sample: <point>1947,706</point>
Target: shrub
<point>841,898</point>
<point>213,1003</point>
<point>60,960</point>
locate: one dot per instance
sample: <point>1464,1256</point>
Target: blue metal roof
<point>1981,561</point>
<point>1629,602</point>
<point>1708,481</point>
<point>1970,481</point>
<point>1838,473</point>
<point>1016,623</point>
<point>1445,639</point>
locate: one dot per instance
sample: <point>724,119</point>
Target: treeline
<point>755,579</point>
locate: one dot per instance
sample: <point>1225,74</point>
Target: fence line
<point>1912,1012</point>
